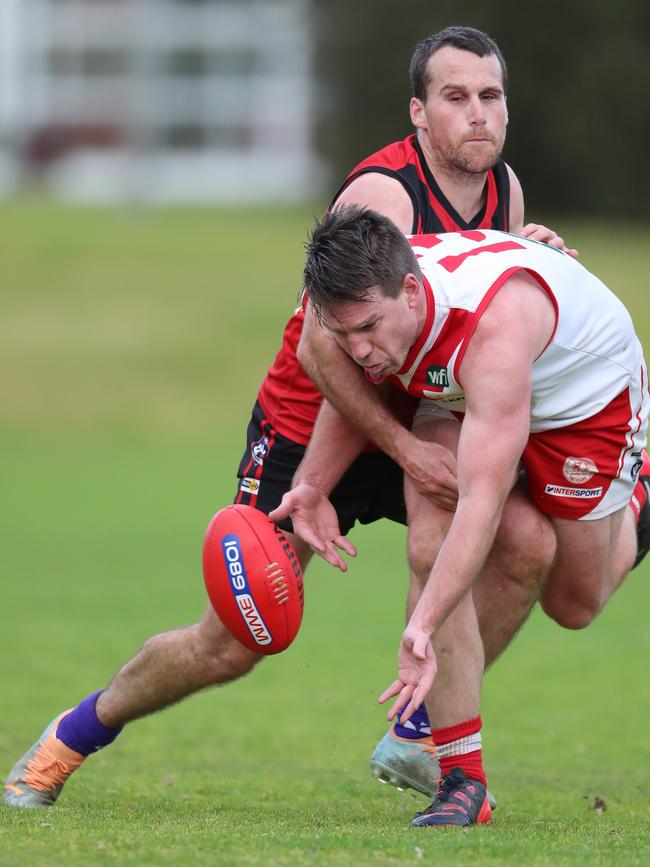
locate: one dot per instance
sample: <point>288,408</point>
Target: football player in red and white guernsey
<point>447,175</point>
<point>519,358</point>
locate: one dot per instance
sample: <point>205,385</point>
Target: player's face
<point>464,116</point>
<point>378,332</point>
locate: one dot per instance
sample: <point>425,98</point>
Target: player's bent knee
<point>219,657</point>
<point>569,612</point>
<point>422,550</point>
<point>225,663</point>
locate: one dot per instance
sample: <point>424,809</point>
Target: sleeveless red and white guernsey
<point>288,397</point>
<point>589,405</point>
<point>590,358</point>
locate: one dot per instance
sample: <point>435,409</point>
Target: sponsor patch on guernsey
<point>249,485</point>
<point>575,493</point>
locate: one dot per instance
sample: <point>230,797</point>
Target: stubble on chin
<point>476,165</point>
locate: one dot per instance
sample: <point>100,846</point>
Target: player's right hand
<point>432,468</point>
<point>417,667</point>
<point>537,232</point>
<point>316,522</point>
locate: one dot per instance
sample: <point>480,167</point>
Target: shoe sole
<point>386,774</point>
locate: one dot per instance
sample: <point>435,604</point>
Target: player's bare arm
<point>511,334</point>
<point>534,231</point>
<point>343,383</point>
<point>383,194</point>
<point>334,445</point>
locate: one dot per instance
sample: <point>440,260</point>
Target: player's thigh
<point>525,540</point>
<point>584,556</point>
<point>521,556</point>
<point>428,522</point>
<point>444,431</point>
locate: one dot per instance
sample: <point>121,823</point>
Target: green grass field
<point>131,348</point>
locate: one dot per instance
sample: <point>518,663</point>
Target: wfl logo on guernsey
<point>231,548</point>
<point>437,377</point>
<point>578,470</point>
<point>260,449</point>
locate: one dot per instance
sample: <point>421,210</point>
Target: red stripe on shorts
<point>268,431</point>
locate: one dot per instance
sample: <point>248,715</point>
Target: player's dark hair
<point>465,38</point>
<point>352,250</point>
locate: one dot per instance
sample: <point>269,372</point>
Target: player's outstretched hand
<point>417,666</point>
<point>547,236</point>
<point>315,520</point>
<point>432,468</point>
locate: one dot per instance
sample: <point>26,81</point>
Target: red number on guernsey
<point>426,241</point>
<point>452,263</point>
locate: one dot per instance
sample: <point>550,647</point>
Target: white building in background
<point>159,100</point>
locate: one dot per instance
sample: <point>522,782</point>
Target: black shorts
<point>371,489</point>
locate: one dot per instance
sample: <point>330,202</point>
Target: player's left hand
<point>432,469</point>
<point>417,668</point>
<point>536,232</point>
<point>315,520</point>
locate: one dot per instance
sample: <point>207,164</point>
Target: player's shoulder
<point>518,317</point>
<point>393,157</point>
<point>382,193</point>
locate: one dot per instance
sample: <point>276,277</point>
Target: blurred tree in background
<point>579,94</point>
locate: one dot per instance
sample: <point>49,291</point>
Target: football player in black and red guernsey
<point>447,175</point>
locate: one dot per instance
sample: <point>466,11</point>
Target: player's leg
<point>593,558</point>
<point>596,501</point>
<point>172,665</point>
<point>169,666</point>
<point>504,595</point>
<point>514,574</point>
<point>406,756</point>
<point>453,703</point>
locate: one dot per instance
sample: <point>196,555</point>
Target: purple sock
<point>417,727</point>
<point>82,732</point>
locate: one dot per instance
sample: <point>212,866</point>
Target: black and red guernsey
<point>288,397</point>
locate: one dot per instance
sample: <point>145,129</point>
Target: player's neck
<point>465,191</point>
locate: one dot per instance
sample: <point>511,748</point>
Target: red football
<point>253,578</point>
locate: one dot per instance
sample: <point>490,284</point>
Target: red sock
<point>640,494</point>
<point>459,746</point>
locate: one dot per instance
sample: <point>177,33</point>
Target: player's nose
<point>360,348</point>
<point>476,111</point>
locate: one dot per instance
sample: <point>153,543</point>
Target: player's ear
<point>411,288</point>
<point>416,108</point>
